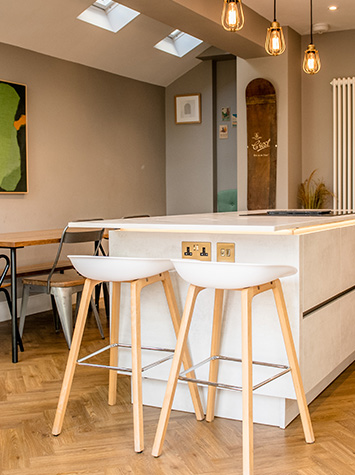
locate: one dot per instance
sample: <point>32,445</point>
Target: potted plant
<point>313,194</point>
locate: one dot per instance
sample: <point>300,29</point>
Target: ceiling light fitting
<point>232,15</point>
<point>311,61</point>
<point>320,28</point>
<point>275,40</point>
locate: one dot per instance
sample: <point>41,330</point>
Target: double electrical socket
<point>196,250</point>
<point>202,251</point>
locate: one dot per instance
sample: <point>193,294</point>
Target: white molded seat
<point>250,280</point>
<point>119,269</point>
<point>140,273</point>
<point>228,275</point>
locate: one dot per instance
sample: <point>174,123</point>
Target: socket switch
<point>225,252</point>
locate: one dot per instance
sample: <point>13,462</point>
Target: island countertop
<point>258,222</point>
<point>320,299</point>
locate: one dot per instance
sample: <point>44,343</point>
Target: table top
<point>30,238</point>
<point>232,222</point>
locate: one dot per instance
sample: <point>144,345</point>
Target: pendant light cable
<point>311,22</point>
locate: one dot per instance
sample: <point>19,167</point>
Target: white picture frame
<point>188,109</point>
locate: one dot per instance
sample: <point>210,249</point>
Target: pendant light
<point>275,41</point>
<point>232,15</point>
<point>311,61</point>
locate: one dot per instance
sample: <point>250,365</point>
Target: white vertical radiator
<point>344,143</point>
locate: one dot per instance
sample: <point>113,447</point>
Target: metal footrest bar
<point>123,370</point>
<point>202,382</point>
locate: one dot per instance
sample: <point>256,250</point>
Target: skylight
<point>178,43</point>
<point>104,4</point>
<point>108,15</point>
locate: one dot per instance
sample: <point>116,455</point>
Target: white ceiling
<point>51,27</point>
<point>296,13</point>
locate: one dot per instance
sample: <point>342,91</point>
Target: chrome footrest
<point>123,370</point>
<point>201,382</point>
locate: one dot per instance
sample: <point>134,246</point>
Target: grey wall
<point>189,149</point>
<point>337,60</point>
<point>189,177</point>
<point>226,148</point>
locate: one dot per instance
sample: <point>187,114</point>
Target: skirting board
<point>291,405</point>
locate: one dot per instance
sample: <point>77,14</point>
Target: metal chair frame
<point>63,295</point>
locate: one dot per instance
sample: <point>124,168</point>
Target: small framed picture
<point>188,109</point>
<point>223,131</point>
<point>226,114</point>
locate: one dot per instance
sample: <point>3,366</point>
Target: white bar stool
<point>250,279</point>
<point>139,272</point>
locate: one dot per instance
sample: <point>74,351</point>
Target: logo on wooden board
<point>259,144</point>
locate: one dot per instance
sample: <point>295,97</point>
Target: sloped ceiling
<point>51,27</point>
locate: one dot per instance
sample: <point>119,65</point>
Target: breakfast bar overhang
<point>320,300</point>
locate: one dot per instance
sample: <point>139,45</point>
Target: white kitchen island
<point>320,299</point>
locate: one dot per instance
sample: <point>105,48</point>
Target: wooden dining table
<point>13,242</point>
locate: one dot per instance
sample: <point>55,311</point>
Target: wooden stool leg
<point>292,359</point>
<point>215,350</point>
<point>247,382</point>
<point>114,332</point>
<point>137,366</point>
<point>186,359</point>
<point>175,369</point>
<point>73,355</point>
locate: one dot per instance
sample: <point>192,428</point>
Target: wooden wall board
<point>262,144</point>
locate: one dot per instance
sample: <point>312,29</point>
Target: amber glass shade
<point>275,40</point>
<point>232,15</point>
<point>311,61</point>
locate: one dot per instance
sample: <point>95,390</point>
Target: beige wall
<point>96,143</point>
<point>338,60</point>
<point>274,69</point>
<point>96,146</point>
<point>284,75</point>
<point>294,117</point>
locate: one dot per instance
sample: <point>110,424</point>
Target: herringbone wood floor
<point>97,439</point>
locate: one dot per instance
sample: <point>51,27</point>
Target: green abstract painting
<point>13,142</point>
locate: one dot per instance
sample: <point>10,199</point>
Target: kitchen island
<point>320,299</point>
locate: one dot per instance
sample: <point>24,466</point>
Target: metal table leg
<point>14,306</point>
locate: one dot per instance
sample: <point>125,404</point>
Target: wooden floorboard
<point>97,439</point>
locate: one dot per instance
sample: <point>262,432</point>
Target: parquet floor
<point>97,439</point>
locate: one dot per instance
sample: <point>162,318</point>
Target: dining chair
<point>105,290</point>
<point>62,286</point>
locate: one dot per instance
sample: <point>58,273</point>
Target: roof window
<point>108,15</point>
<point>178,43</point>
